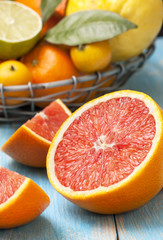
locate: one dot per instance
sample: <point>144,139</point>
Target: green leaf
<point>48,7</point>
<point>87,27</point>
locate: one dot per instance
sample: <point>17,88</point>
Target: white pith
<point>153,108</point>
<point>101,143</point>
<point>11,21</point>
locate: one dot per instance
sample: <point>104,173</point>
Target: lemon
<point>91,57</point>
<point>19,29</point>
<point>147,15</point>
<point>14,73</point>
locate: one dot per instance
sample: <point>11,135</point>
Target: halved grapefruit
<point>21,199</point>
<point>30,143</point>
<point>108,155</point>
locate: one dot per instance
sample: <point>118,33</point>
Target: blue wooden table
<point>64,221</point>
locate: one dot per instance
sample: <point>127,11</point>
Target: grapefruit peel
<point>28,147</point>
<point>26,203</point>
<point>133,191</point>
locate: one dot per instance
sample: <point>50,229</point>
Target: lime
<point>19,30</point>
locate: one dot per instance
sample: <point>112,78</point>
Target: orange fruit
<point>30,143</point>
<point>21,199</point>
<point>92,57</point>
<point>107,157</point>
<point>14,73</point>
<point>49,63</point>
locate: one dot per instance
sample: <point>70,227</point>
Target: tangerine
<point>14,73</point>
<point>49,63</point>
<point>91,57</point>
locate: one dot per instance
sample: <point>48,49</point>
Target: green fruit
<point>20,29</point>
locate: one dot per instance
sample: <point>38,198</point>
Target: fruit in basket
<point>13,73</point>
<point>92,57</point>
<point>30,143</point>
<point>107,157</point>
<point>147,16</point>
<point>48,63</point>
<point>19,32</point>
<point>21,199</point>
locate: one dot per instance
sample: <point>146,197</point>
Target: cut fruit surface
<point>20,29</point>
<point>107,157</point>
<point>21,200</point>
<point>30,143</point>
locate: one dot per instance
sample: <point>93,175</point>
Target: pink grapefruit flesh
<point>104,144</point>
<point>48,121</point>
<point>9,183</point>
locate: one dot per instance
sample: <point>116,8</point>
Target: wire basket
<point>79,89</point>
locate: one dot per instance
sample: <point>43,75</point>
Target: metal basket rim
<point>119,67</point>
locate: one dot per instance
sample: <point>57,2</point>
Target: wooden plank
<point>145,223</point>
<point>62,220</point>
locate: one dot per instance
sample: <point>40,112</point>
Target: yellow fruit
<point>107,157</point>
<point>91,57</point>
<point>14,73</point>
<point>146,14</point>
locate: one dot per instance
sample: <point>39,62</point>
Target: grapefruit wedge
<point>30,143</point>
<point>108,155</point>
<point>21,199</point>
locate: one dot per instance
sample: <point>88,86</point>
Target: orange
<point>49,63</point>
<point>21,199</point>
<point>14,73</point>
<point>30,143</point>
<point>107,157</point>
<point>92,57</point>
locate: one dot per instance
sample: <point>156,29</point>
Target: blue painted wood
<point>145,223</point>
<point>64,221</point>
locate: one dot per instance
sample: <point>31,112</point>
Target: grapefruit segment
<point>30,143</point>
<point>21,200</point>
<point>107,157</point>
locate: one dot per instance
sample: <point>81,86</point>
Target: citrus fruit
<point>148,18</point>
<point>20,29</point>
<point>91,57</point>
<point>21,199</point>
<point>29,144</point>
<point>108,157</point>
<point>14,73</point>
<point>35,5</point>
<point>49,63</point>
